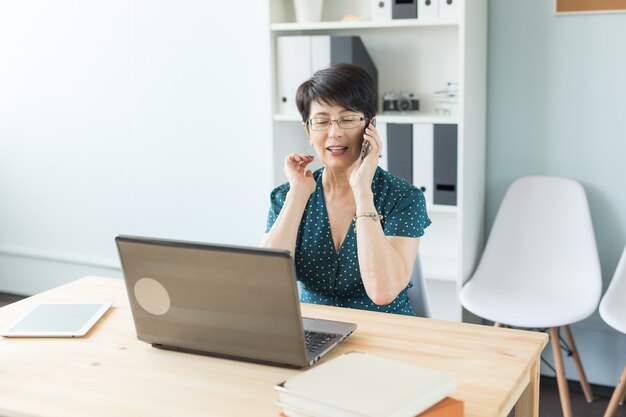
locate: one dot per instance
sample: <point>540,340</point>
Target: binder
<point>428,9</point>
<point>293,65</point>
<point>381,9</point>
<point>400,150</point>
<point>423,159</point>
<point>320,53</point>
<point>445,164</point>
<point>449,9</point>
<point>299,57</point>
<point>329,50</point>
<point>404,9</point>
<point>351,50</point>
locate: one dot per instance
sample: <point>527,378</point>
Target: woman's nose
<point>334,129</point>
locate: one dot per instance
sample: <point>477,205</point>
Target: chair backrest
<point>418,294</point>
<point>542,238</point>
<point>613,304</point>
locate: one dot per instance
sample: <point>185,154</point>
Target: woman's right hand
<point>300,179</point>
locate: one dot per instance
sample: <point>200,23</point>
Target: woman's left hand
<point>364,168</point>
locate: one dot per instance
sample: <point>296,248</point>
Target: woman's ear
<point>305,126</point>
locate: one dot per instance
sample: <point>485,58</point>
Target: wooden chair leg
<point>620,391</point>
<point>561,380</point>
<point>579,366</point>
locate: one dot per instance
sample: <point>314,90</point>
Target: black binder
<point>400,150</point>
<point>404,9</point>
<point>351,50</point>
<point>445,165</point>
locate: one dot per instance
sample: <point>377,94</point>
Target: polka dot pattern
<point>333,278</point>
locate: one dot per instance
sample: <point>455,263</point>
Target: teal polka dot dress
<point>331,278</point>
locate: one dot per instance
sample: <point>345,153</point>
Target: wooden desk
<point>110,373</point>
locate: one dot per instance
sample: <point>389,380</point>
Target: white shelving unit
<point>419,57</point>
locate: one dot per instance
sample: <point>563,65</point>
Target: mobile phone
<point>365,148</point>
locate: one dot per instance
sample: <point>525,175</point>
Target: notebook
<point>222,300</point>
<point>57,320</point>
<point>364,385</point>
<point>448,407</point>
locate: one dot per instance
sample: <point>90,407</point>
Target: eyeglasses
<point>345,122</point>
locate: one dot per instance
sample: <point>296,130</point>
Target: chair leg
<point>620,391</point>
<point>579,366</point>
<point>561,380</point>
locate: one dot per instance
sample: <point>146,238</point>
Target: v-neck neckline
<point>327,218</point>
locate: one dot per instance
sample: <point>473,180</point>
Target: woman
<point>353,227</point>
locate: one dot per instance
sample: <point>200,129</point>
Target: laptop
<point>221,300</point>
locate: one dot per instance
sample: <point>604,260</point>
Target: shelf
<point>412,117</point>
<point>421,56</point>
<point>416,117</point>
<point>360,24</point>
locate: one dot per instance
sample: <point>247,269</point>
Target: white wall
<point>128,116</point>
<point>556,96</point>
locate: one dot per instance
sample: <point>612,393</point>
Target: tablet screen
<point>65,319</point>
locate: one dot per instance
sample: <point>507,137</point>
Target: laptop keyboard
<point>316,342</point>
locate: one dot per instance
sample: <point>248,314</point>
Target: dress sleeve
<point>408,217</point>
<point>277,200</point>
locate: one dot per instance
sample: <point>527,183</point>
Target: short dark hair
<point>346,85</point>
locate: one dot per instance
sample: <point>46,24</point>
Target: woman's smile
<point>336,150</point>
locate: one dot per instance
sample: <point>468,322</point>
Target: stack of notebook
<point>364,385</point>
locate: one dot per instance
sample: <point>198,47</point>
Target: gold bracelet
<point>373,215</point>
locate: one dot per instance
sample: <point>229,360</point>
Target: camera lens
<point>404,105</point>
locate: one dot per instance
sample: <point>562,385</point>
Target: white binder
<point>428,9</point>
<point>381,9</point>
<point>423,159</point>
<point>293,65</point>
<point>320,52</point>
<point>449,9</point>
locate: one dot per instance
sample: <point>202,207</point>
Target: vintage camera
<point>400,101</point>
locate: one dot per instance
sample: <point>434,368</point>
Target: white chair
<point>613,312</point>
<point>418,294</point>
<point>540,268</point>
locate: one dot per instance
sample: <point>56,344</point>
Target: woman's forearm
<point>383,269</point>
<point>284,232</point>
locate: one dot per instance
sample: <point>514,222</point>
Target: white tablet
<point>57,320</point>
